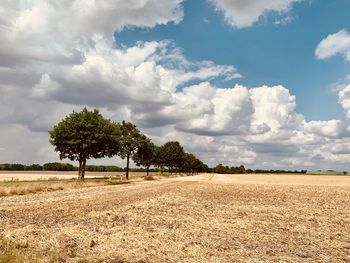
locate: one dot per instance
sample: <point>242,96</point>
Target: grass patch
<point>24,188</point>
<point>117,182</point>
<point>13,252</point>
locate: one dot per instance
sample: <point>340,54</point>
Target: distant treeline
<point>257,171</point>
<point>37,167</point>
<point>57,166</point>
<point>221,169</point>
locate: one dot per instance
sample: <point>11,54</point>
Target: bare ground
<point>205,218</point>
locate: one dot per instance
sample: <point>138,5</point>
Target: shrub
<point>149,178</point>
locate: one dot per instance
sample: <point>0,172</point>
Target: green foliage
<point>277,171</point>
<point>33,167</point>
<point>12,167</point>
<point>171,155</point>
<point>129,142</point>
<point>58,167</point>
<point>103,168</point>
<point>130,139</point>
<point>229,170</point>
<point>86,134</point>
<point>146,154</point>
<point>83,135</point>
<point>193,165</point>
<point>221,169</point>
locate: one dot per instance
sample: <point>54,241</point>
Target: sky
<point>263,83</point>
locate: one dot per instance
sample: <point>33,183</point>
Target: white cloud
<point>244,13</point>
<point>215,111</point>
<point>334,44</point>
<point>344,99</point>
<point>58,56</point>
<point>330,128</point>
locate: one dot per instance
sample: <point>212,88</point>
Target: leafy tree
<point>146,155</point>
<point>83,135</point>
<point>170,155</point>
<point>130,141</point>
<point>191,164</point>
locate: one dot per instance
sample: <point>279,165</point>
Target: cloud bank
<point>59,56</point>
<point>245,13</point>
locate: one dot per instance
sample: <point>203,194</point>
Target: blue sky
<point>265,53</point>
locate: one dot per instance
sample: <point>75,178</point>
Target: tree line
<point>221,169</point>
<point>83,135</point>
<point>58,166</point>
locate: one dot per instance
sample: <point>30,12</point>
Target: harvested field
<point>205,218</point>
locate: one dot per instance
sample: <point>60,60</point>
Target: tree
<point>130,141</point>
<point>170,155</point>
<point>146,155</point>
<point>83,135</point>
<point>191,164</point>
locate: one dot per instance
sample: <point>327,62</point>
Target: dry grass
<point>12,252</point>
<point>149,178</point>
<point>20,188</point>
<point>183,221</point>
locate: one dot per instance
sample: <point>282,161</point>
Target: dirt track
<point>205,218</point>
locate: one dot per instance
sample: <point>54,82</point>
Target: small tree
<point>130,141</point>
<point>145,155</point>
<point>83,135</point>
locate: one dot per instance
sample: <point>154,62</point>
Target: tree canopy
<point>146,155</point>
<point>171,155</point>
<point>83,135</point>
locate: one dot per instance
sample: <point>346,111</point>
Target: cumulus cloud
<point>334,44</point>
<point>244,13</point>
<point>59,56</point>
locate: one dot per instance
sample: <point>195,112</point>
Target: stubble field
<point>204,218</point>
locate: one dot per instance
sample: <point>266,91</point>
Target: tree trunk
<point>79,172</point>
<point>83,170</point>
<point>127,167</point>
<point>147,170</point>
